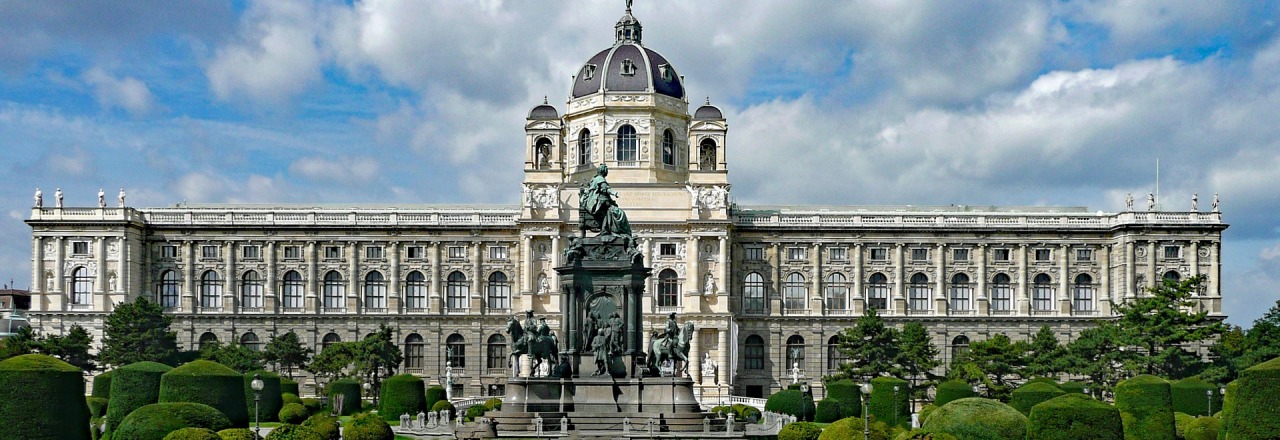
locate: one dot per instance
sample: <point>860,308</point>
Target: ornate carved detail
<point>709,196</point>
<point>541,197</point>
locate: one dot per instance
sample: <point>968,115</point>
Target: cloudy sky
<point>883,102</point>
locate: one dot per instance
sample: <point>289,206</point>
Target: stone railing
<point>289,216</point>
<point>993,220</point>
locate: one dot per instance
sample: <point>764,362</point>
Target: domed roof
<point>628,67</point>
<point>708,111</point>
<point>544,111</point>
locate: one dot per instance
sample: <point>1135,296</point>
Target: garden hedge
<point>238,434</point>
<point>435,393</point>
<point>443,405</point>
<point>401,394</point>
<point>287,398</point>
<point>828,411</point>
<point>494,403</point>
<point>1146,407</point>
<point>209,383</point>
<point>154,421</point>
<point>1072,387</point>
<point>288,385</point>
<point>102,385</point>
<point>953,390</point>
<point>97,406</point>
<point>473,412</point>
<point>193,434</point>
<point>851,427</point>
<point>1189,397</point>
<point>293,414</point>
<point>800,431</point>
<point>889,406</point>
<point>1202,428</point>
<point>313,405</point>
<point>271,401</point>
<point>1047,380</point>
<point>924,434</point>
<point>977,417</point>
<point>1031,394</point>
<point>1180,422</point>
<point>1253,405</point>
<point>926,410</point>
<point>325,425</point>
<point>293,432</point>
<point>40,398</point>
<point>349,389</point>
<point>848,394</point>
<point>1074,416</point>
<point>792,402</point>
<point>366,426</point>
<point>133,386</point>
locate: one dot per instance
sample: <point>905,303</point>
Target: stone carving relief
<point>113,250</point>
<point>49,248</point>
<point>542,196</point>
<point>709,197</point>
<point>89,265</point>
<point>641,125</point>
<point>48,280</point>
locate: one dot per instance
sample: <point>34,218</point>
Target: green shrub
<point>154,421</point>
<point>1202,428</point>
<point>846,392</point>
<point>890,406</point>
<point>209,383</point>
<point>193,434</point>
<point>133,386</point>
<point>40,399</point>
<point>293,432</point>
<point>435,393</point>
<point>325,425</point>
<point>792,402</point>
<point>494,403</point>
<point>923,434</point>
<point>349,389</point>
<point>800,431</point>
<point>978,418</point>
<point>444,404</point>
<point>238,434</point>
<point>271,399</point>
<point>293,413</point>
<point>287,398</point>
<point>313,405</point>
<point>721,410</point>
<point>102,385</point>
<point>851,427</point>
<point>953,390</point>
<point>1031,394</point>
<point>1044,380</point>
<point>401,394</point>
<point>290,386</point>
<point>1146,408</point>
<point>1074,416</point>
<point>1072,387</point>
<point>97,406</point>
<point>366,426</point>
<point>1228,408</point>
<point>828,411</point>
<point>1180,421</point>
<point>1254,408</point>
<point>749,414</point>
<point>1189,396</point>
<point>925,411</point>
<point>474,411</point>
<point>95,426</point>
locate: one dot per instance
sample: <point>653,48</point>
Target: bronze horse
<point>539,348</point>
<point>677,350</point>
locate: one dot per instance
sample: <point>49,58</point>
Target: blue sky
<point>1009,103</point>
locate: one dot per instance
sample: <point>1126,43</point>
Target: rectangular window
<point>1001,297</point>
<point>838,254</point>
<point>879,254</point>
<point>1001,255</point>
<point>413,252</point>
<point>374,252</point>
<point>755,254</point>
<point>960,254</point>
<point>1172,252</point>
<point>251,252</point>
<point>1041,298</point>
<point>919,254</point>
<point>877,296</point>
<point>80,247</point>
<point>208,252</point>
<point>293,252</point>
<point>1083,255</point>
<point>168,251</point>
<point>667,249</point>
<point>497,252</point>
<point>457,252</point>
<point>796,253</point>
<point>1044,254</point>
<point>332,252</point>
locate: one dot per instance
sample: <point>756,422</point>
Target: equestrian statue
<point>672,344</point>
<point>534,338</point>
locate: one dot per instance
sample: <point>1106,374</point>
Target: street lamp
<point>895,405</point>
<point>368,388</point>
<point>866,421</point>
<point>804,409</point>
<point>1208,397</point>
<point>256,384</point>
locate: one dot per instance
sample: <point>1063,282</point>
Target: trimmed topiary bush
<point>800,431</point>
<point>193,434</point>
<point>828,411</point>
<point>324,425</point>
<point>1072,387</point>
<point>269,405</point>
<point>1074,416</point>
<point>349,389</point>
<point>1253,408</point>
<point>444,404</point>
<point>925,411</point>
<point>1228,408</point>
<point>1146,408</point>
<point>953,390</point>
<point>494,403</point>
<point>293,414</point>
<point>846,392</point>
<point>474,411</point>
<point>1031,394</point>
<point>238,434</point>
<point>1047,380</point>
<point>978,418</point>
<point>133,386</point>
<point>1180,421</point>
<point>209,383</point>
<point>924,434</point>
<point>97,406</point>
<point>1189,396</point>
<point>749,414</point>
<point>366,426</point>
<point>102,385</point>
<point>792,402</point>
<point>154,421</point>
<point>287,398</point>
<point>290,386</point>
<point>1202,428</point>
<point>402,394</point>
<point>435,393</point>
<point>889,406</point>
<point>40,399</point>
<point>293,432</point>
<point>851,427</point>
<point>313,405</point>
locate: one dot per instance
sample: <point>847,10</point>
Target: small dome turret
<point>708,111</point>
<point>544,111</point>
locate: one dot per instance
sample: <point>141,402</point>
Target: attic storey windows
<point>628,67</point>
<point>584,148</point>
<point>588,72</point>
<point>80,248</point>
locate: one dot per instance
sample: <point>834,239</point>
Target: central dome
<point>627,67</point>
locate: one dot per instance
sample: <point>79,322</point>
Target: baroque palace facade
<point>768,287</point>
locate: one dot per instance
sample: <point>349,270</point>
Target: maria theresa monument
<point>741,297</point>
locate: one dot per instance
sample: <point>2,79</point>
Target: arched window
<point>961,293</point>
<point>834,356</point>
<point>918,292</point>
<point>251,341</point>
<point>81,287</point>
<point>753,351</point>
<point>1001,293</point>
<point>335,291</point>
<point>456,291</point>
<point>584,148</point>
<point>753,294</point>
<point>542,153</point>
<point>1042,293</point>
<point>210,290</point>
<point>794,292</point>
<point>168,289</point>
<point>878,291</point>
<point>837,292</point>
<point>375,291</point>
<point>207,340</point>
<point>415,352</point>
<point>251,291</point>
<point>959,346</point>
<point>668,289</point>
<point>1082,293</point>
<point>456,351</point>
<point>795,352</point>
<point>292,290</point>
<point>1172,277</point>
<point>499,292</point>
<point>329,339</point>
<point>668,148</point>
<point>496,352</point>
<point>415,291</point>
<point>627,146</point>
<point>707,155</point>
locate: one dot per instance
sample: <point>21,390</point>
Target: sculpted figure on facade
<point>39,198</point>
<point>1215,202</point>
<point>1128,202</point>
<point>1151,201</point>
<point>120,197</point>
<point>102,198</point>
<point>57,198</point>
<point>544,287</point>
<point>709,287</point>
<point>1195,202</point>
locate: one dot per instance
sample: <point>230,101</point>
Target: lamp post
<point>1208,397</point>
<point>804,409</point>
<point>256,384</point>
<point>895,405</point>
<point>866,426</point>
<point>368,394</point>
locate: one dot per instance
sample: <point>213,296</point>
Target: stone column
<point>693,256</point>
<point>775,293</point>
<point>122,265</point>
<point>723,286</point>
<point>1152,277</point>
<point>394,304</point>
<point>270,300</point>
<point>230,296</point>
<point>354,302</point>
<point>1215,274</point>
<point>37,271</point>
<point>1064,282</point>
<point>555,249</point>
<point>1023,300</point>
<point>529,280</point>
<point>476,301</point>
<point>722,346</point>
<point>646,244</point>
<point>101,297</point>
<point>983,304</point>
<point>695,358</point>
<point>189,302</point>
<point>434,303</point>
<point>312,300</point>
<point>817,295</point>
<point>859,304</point>
<point>899,301</point>
<point>940,284</point>
<point>1104,285</point>
<point>1129,290</point>
<point>1194,257</point>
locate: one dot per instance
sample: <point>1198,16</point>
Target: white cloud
<point>276,57</point>
<point>127,93</point>
<point>347,170</point>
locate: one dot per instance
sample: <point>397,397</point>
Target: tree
<point>286,351</point>
<point>72,348</point>
<point>870,347</point>
<point>1045,356</point>
<point>917,356</point>
<point>1262,341</point>
<point>1096,354</point>
<point>995,362</point>
<point>234,356</point>
<point>1161,331</point>
<point>378,357</point>
<point>333,361</point>
<point>135,332</point>
<point>22,342</point>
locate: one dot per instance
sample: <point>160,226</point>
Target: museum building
<point>768,287</point>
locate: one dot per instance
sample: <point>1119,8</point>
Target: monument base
<point>601,404</point>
